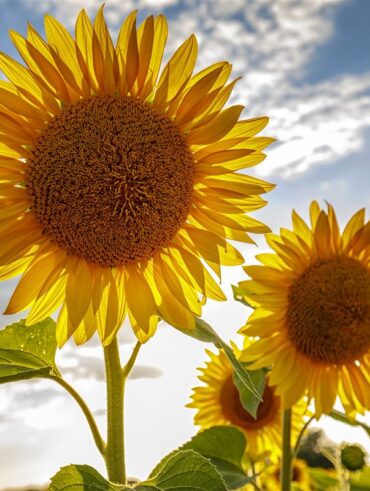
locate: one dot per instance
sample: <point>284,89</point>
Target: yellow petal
<point>25,82</point>
<point>64,327</point>
<point>87,327</point>
<point>65,56</point>
<point>145,37</point>
<point>194,99</point>
<point>159,42</point>
<point>78,289</point>
<point>183,292</point>
<point>104,55</point>
<point>51,294</point>
<point>18,105</point>
<point>42,69</point>
<point>176,73</point>
<point>127,53</point>
<point>142,309</point>
<point>84,36</point>
<point>105,303</point>
<point>218,127</point>
<point>11,128</point>
<point>30,283</point>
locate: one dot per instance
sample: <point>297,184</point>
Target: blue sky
<point>305,64</point>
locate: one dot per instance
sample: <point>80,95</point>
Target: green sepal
<point>224,446</point>
<point>205,333</point>
<point>28,351</point>
<point>239,296</point>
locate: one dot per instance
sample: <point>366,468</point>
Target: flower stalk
<point>115,449</point>
<point>286,465</point>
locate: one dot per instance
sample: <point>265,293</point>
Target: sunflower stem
<point>129,365</point>
<point>115,450</point>
<point>301,435</point>
<point>286,464</point>
<point>85,409</point>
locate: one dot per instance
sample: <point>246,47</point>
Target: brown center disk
<point>296,474</point>
<point>111,180</point>
<point>234,411</point>
<point>329,311</point>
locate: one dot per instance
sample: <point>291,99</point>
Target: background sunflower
<point>312,315</point>
<point>218,403</point>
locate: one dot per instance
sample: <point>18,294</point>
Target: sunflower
<point>301,481</point>
<point>119,187</point>
<point>218,403</point>
<point>312,314</point>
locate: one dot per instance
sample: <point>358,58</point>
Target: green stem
<point>115,450</point>
<point>300,436</point>
<point>85,409</point>
<point>128,367</point>
<point>286,464</point>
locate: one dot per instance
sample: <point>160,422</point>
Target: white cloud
<point>271,44</point>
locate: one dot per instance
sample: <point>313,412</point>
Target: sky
<point>305,64</point>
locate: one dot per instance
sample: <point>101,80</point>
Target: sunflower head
<point>218,403</point>
<point>300,477</point>
<point>312,298</point>
<point>120,184</point>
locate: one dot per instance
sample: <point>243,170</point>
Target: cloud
<point>271,44</point>
<point>145,371</point>
<point>92,367</point>
<point>318,125</point>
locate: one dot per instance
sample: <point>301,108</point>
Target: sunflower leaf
<point>360,481</point>
<point>186,470</point>
<point>343,418</point>
<point>80,478</point>
<point>251,395</point>
<point>322,480</point>
<point>224,446</point>
<point>27,351</point>
<point>248,401</point>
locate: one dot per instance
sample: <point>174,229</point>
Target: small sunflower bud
<point>352,457</point>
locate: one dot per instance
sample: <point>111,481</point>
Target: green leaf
<point>224,446</point>
<point>80,478</point>
<point>343,418</point>
<point>186,470</point>
<point>322,480</point>
<point>360,481</point>
<point>27,351</point>
<point>249,402</point>
<point>205,333</point>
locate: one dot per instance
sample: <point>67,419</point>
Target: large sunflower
<point>119,187</point>
<point>312,313</point>
<point>218,403</point>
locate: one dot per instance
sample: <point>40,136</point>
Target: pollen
<point>234,411</point>
<point>329,311</point>
<point>111,180</point>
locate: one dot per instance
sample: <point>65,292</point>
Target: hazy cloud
<point>145,371</point>
<point>271,44</point>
